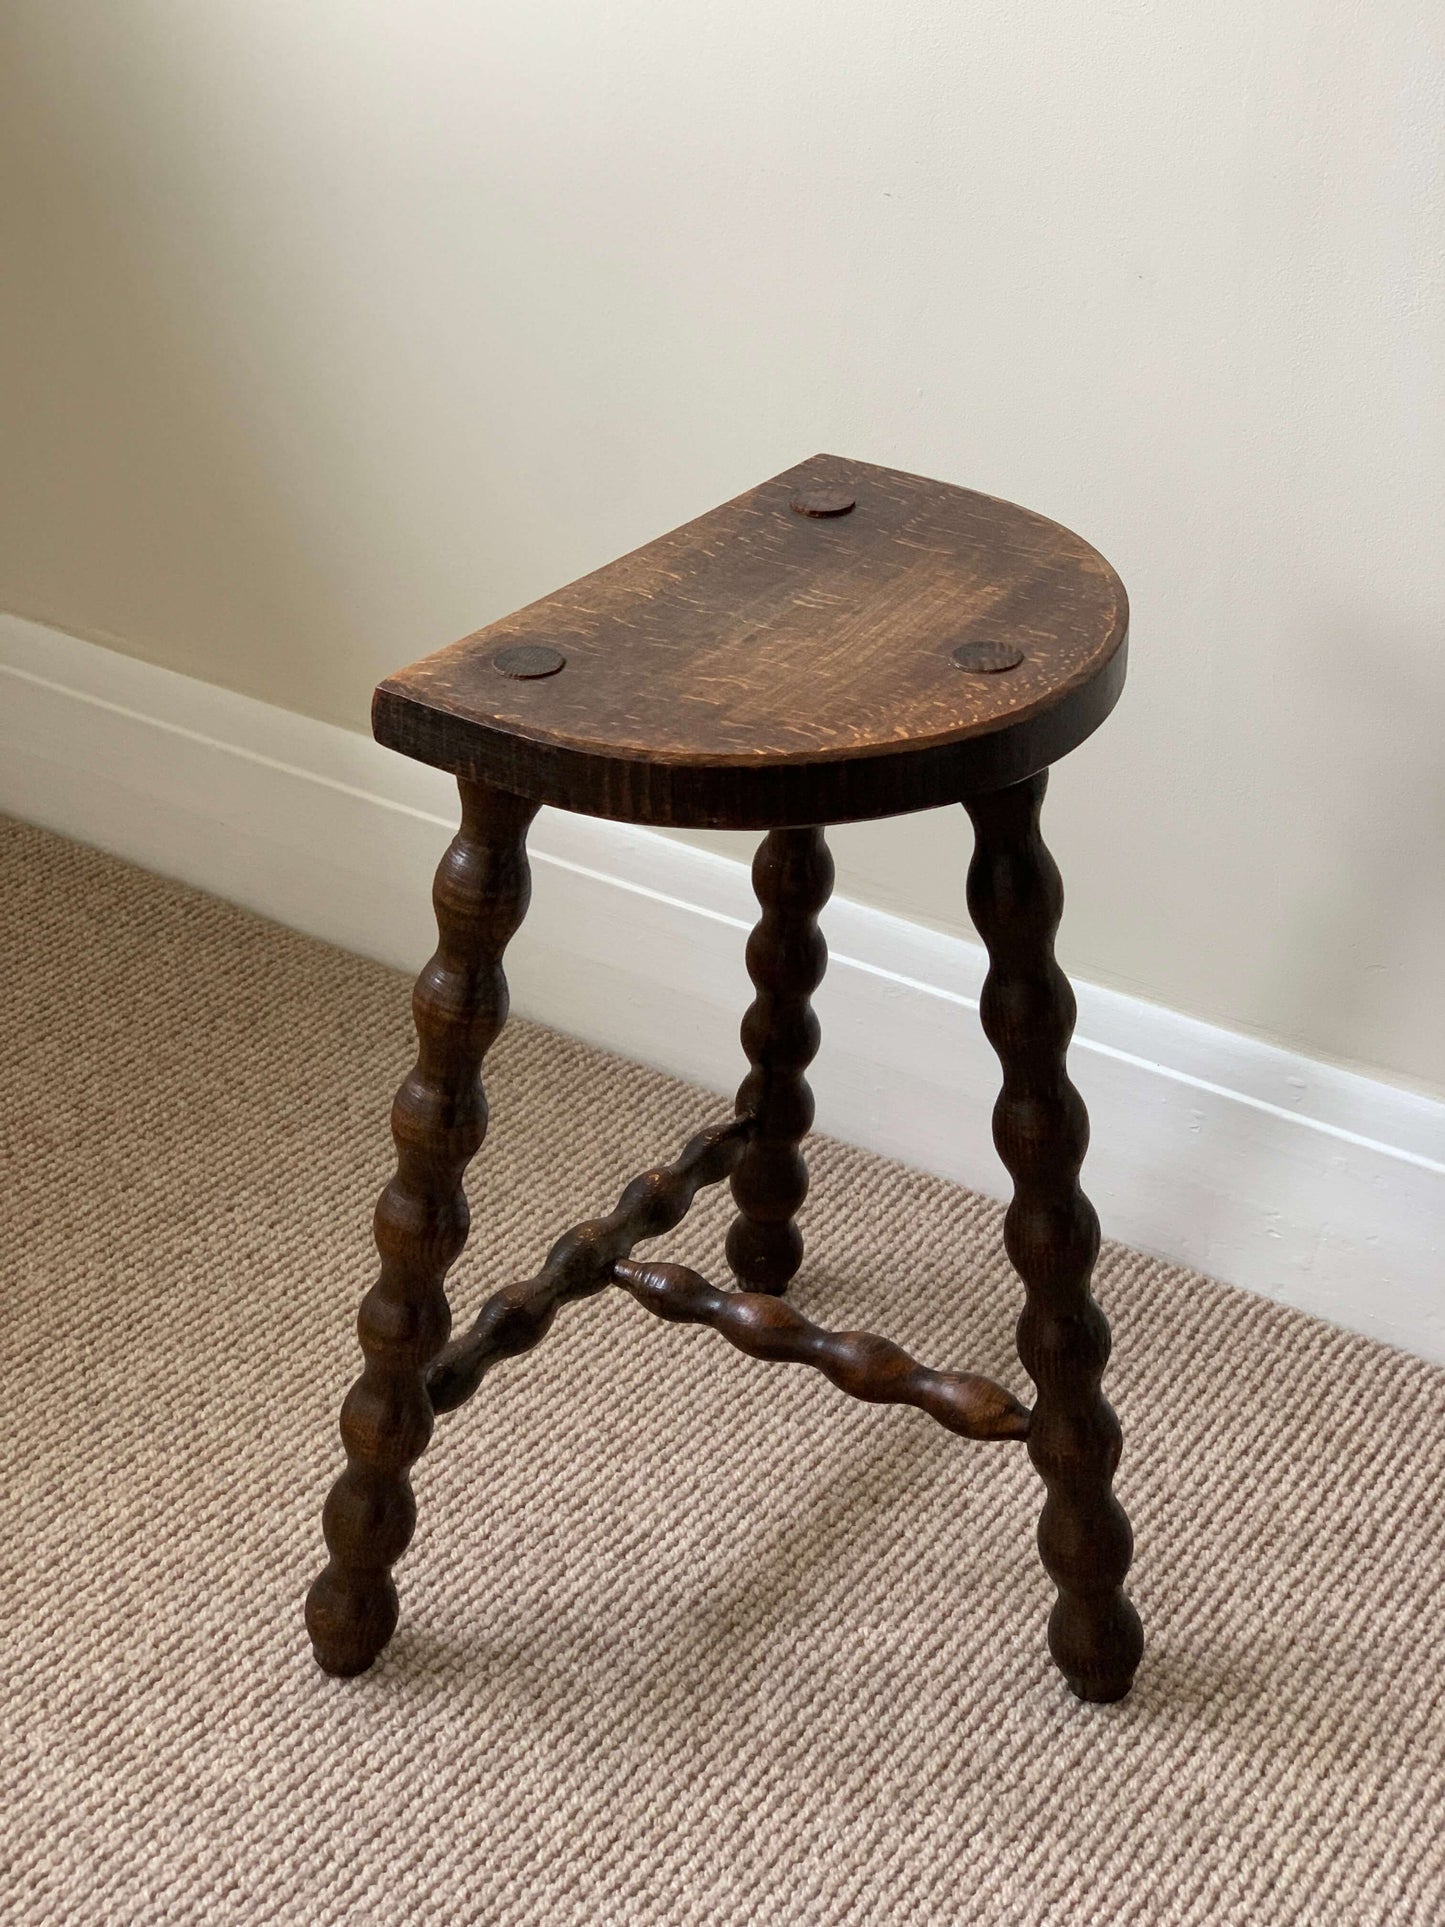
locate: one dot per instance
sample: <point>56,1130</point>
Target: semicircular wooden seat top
<point>843,641</point>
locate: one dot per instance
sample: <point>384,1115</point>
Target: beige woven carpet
<point>686,1638</point>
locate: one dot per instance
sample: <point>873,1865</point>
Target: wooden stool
<point>842,642</point>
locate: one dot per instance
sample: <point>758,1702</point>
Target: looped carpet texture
<point>686,1638</point>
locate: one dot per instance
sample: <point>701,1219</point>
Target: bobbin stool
<point>842,642</point>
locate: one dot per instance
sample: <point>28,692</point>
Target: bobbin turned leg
<point>438,1121</point>
<point>792,876</point>
<point>1052,1235</point>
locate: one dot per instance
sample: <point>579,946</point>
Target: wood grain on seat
<point>785,659</point>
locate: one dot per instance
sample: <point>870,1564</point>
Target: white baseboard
<point>1312,1185</point>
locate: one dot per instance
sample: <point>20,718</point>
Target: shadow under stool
<point>842,642</point>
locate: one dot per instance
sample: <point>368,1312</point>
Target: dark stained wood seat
<point>766,665</point>
<point>842,642</point>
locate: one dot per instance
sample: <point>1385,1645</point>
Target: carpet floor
<point>686,1638</point>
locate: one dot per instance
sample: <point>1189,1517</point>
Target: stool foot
<point>1052,1236</point>
<point>787,955</point>
<point>438,1121</point>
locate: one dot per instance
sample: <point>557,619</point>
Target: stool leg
<point>438,1121</point>
<point>1052,1235</point>
<point>792,876</point>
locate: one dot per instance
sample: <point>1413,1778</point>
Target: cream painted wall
<point>332,330</point>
